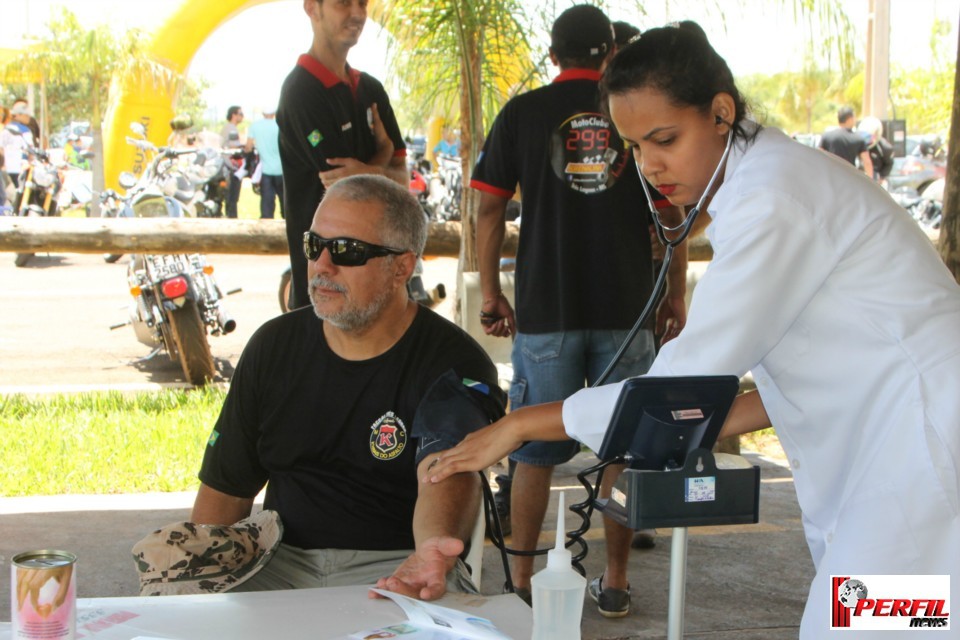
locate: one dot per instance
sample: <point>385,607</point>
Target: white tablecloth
<point>310,614</point>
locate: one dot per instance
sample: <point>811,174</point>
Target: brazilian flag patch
<point>476,386</point>
<point>212,440</point>
<point>315,137</point>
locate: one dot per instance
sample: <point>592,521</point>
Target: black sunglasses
<point>344,252</point>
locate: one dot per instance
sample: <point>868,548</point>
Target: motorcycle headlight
<point>43,176</point>
<point>151,207</point>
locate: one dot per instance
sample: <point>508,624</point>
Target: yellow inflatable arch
<point>174,45</point>
<point>151,104</point>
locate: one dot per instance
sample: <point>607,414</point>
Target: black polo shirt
<point>322,117</point>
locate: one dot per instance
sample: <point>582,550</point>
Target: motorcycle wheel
<point>190,336</point>
<point>284,293</point>
<point>21,259</point>
<point>110,258</point>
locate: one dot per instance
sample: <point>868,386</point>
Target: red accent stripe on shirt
<point>489,188</point>
<point>578,74</point>
<point>329,79</point>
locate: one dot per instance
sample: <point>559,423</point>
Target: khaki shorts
<point>294,568</point>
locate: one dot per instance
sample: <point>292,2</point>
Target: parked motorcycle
<point>176,301</point>
<point>446,189</point>
<point>926,207</point>
<point>36,196</point>
<point>114,205</point>
<point>215,169</point>
<point>77,190</point>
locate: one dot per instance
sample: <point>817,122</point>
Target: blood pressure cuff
<point>453,407</point>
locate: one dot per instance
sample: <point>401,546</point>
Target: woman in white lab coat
<point>822,287</point>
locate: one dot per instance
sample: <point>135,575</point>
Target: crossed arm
<point>383,161</point>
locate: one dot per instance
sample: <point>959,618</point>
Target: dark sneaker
<point>522,593</point>
<point>644,539</point>
<point>611,603</point>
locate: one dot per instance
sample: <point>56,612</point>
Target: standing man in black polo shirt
<point>334,122</point>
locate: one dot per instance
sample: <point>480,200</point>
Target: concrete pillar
<point>876,84</point>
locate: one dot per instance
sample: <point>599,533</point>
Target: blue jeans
<point>271,188</point>
<point>553,366</point>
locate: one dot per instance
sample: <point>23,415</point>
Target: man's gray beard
<point>350,318</point>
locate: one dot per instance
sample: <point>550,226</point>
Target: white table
<point>311,614</point>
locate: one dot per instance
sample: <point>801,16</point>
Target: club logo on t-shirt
<point>388,437</point>
<point>587,154</point>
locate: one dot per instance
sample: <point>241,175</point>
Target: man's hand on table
<point>423,575</point>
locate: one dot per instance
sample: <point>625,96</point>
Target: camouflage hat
<point>186,558</point>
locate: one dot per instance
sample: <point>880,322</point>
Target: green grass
<point>102,443</point>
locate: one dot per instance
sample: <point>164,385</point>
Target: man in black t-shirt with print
<point>334,122</point>
<point>340,407</point>
<point>583,272</point>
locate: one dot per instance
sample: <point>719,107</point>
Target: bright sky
<point>247,58</point>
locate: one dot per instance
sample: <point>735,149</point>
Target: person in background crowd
<point>449,144</point>
<point>846,143</point>
<point>230,139</point>
<point>4,179</point>
<point>22,114</point>
<point>623,33</point>
<point>16,140</point>
<point>880,149</point>
<point>264,135</point>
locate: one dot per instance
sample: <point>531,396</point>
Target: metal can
<point>43,595</point>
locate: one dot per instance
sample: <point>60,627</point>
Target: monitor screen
<point>658,421</point>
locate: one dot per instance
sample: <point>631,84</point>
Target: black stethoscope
<point>684,228</point>
<point>585,509</point>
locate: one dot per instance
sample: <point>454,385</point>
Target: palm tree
<point>69,52</point>
<point>475,53</point>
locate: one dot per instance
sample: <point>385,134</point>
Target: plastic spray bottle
<point>558,592</point>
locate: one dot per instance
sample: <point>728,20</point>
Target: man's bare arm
<point>747,414</point>
<point>491,229</point>
<point>215,507</point>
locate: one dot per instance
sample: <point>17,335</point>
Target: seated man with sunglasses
<point>339,408</point>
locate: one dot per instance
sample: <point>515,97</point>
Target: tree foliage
<point>433,45</point>
<point>87,59</point>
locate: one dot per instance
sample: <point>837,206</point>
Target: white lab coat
<point>828,291</point>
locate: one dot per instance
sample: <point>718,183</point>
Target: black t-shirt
<point>321,117</point>
<point>583,260</point>
<point>844,143</point>
<point>881,154</point>
<point>336,441</point>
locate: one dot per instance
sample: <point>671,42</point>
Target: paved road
<point>56,313</point>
